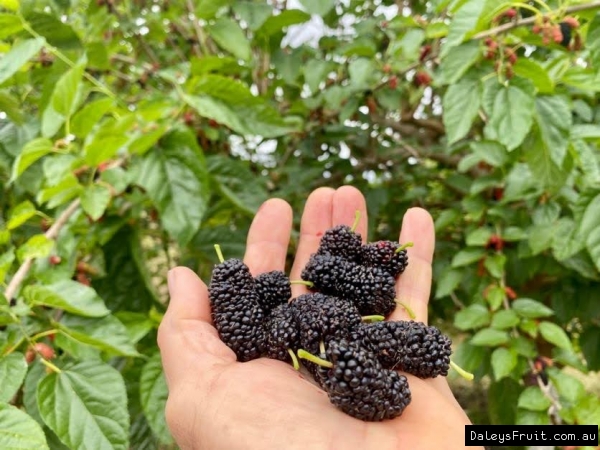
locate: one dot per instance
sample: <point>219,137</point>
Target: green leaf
<point>495,264</point>
<point>495,297</point>
<point>489,337</point>
<point>593,245</point>
<point>461,105</point>
<point>524,347</point>
<point>21,214</point>
<point>36,372</point>
<point>505,319</point>
<point>95,199</point>
<point>503,362</point>
<point>591,217</point>
<point>68,295</point>
<point>526,417</point>
<point>275,24</point>
<point>318,7</point>
<point>545,171</point>
<point>18,56</point>
<point>479,237</point>
<point>57,33</point>
<point>13,368</point>
<point>530,309</point>
<point>153,397</point>
<point>502,401</point>
<point>555,335</point>
<point>176,179</point>
<point>60,193</point>
<point>554,118</point>
<point>106,333</point>
<point>473,316</point>
<point>447,282</point>
<point>568,387</point>
<point>9,24</point>
<point>512,116</point>
<point>589,346</point>
<point>464,21</point>
<point>31,152</point>
<point>585,131</point>
<point>533,399</point>
<point>467,256</point>
<point>315,72</point>
<point>361,73</point>
<point>207,9</point>
<point>230,37</point>
<point>138,325</point>
<point>254,14</point>
<point>531,70</point>
<point>11,106</point>
<point>6,261</point>
<point>37,246</point>
<point>88,396</point>
<point>237,183</point>
<point>64,96</point>
<point>18,430</point>
<point>435,30</point>
<point>458,60</point>
<point>107,139</point>
<point>85,119</point>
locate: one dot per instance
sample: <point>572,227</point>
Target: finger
<point>186,337</point>
<point>269,237</point>
<point>347,200</point>
<point>414,284</point>
<point>316,218</point>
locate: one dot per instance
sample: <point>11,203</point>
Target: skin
<point>217,403</point>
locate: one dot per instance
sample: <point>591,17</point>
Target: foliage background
<point>136,134</point>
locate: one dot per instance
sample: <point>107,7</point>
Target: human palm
<point>218,403</point>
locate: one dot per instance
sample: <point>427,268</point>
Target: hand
<point>217,403</point>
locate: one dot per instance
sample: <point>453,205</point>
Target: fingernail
<point>171,280</point>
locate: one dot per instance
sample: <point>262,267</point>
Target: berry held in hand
<point>336,330</point>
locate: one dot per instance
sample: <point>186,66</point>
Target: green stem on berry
<point>322,347</point>
<point>314,359</point>
<point>374,318</point>
<point>295,362</point>
<point>408,309</point>
<point>462,372</point>
<point>303,282</point>
<point>219,253</point>
<point>404,247</point>
<point>356,220</point>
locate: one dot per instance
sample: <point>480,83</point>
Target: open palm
<point>218,403</point>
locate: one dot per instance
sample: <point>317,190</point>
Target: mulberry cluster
<point>336,331</point>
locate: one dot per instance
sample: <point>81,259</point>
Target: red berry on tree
<point>425,51</point>
<point>571,21</point>
<point>213,123</point>
<point>422,79</point>
<point>55,260</point>
<point>511,13</point>
<point>44,350</point>
<point>393,82</point>
<point>386,68</point>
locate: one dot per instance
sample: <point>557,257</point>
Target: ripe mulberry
<point>410,346</point>
<point>281,333</point>
<point>341,241</point>
<point>273,289</point>
<point>371,289</point>
<point>384,254</point>
<point>236,312</point>
<point>359,386</point>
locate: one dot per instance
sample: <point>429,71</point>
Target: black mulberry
<point>281,333</point>
<point>341,241</point>
<point>410,346</point>
<point>384,254</point>
<point>359,386</point>
<point>273,289</point>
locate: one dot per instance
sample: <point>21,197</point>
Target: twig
<point>529,20</point>
<point>199,33</point>
<point>52,233</point>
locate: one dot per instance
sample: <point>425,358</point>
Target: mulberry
<point>273,289</point>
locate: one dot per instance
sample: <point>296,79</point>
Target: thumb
<point>186,337</point>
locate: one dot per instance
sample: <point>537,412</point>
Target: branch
<point>52,233</point>
<point>529,20</point>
